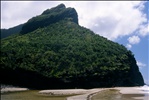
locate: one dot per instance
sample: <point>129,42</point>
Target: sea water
<point>145,89</point>
<point>112,94</point>
<point>29,95</point>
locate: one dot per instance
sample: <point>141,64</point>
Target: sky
<point>125,22</point>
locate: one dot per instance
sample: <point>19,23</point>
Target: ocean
<point>144,89</point>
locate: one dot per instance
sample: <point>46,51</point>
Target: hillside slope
<point>50,16</point>
<point>66,55</point>
<point>11,31</point>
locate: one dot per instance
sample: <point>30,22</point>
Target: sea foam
<point>145,89</point>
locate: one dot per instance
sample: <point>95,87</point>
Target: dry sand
<point>130,90</point>
<point>86,94</point>
<point>9,88</point>
<point>82,94</point>
<point>134,90</point>
<point>64,92</point>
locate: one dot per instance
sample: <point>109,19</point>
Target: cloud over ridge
<point>114,19</point>
<point>111,19</point>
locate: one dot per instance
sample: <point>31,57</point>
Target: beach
<point>125,93</point>
<point>117,93</point>
<point>10,88</point>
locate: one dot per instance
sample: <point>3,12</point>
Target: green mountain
<point>53,51</point>
<point>50,16</point>
<point>14,30</point>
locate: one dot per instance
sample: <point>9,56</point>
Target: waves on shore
<point>145,89</point>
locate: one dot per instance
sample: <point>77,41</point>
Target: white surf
<point>145,89</point>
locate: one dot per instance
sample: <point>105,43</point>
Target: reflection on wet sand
<point>136,96</point>
<point>29,95</point>
<point>113,94</point>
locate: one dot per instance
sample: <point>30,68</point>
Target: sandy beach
<point>86,94</point>
<point>8,88</point>
<point>81,94</point>
<point>134,93</point>
<point>5,90</point>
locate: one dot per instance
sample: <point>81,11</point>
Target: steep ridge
<point>50,16</point>
<point>11,31</point>
<point>62,54</point>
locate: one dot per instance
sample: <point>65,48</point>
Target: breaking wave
<point>145,89</point>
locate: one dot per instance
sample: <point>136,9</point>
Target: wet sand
<point>136,96</point>
<point>135,93</point>
<point>30,95</point>
<point>121,93</point>
<point>117,93</point>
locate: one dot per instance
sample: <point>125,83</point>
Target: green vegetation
<point>66,55</point>
<point>7,32</point>
<point>50,16</point>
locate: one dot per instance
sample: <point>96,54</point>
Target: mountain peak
<point>56,52</point>
<point>61,6</point>
<point>55,9</point>
<point>50,16</point>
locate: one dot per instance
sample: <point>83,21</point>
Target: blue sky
<point>125,22</point>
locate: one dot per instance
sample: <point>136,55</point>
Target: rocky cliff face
<point>50,16</point>
<point>53,51</point>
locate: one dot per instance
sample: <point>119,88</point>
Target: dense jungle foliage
<point>66,55</point>
<point>14,30</point>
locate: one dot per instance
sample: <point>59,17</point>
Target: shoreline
<point>82,94</point>
<point>134,93</point>
<point>10,88</point>
<point>87,94</point>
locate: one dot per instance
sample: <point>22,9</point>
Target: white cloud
<point>134,40</point>
<point>140,64</point>
<point>14,13</point>
<point>17,12</point>
<point>144,30</point>
<point>111,19</point>
<point>129,46</point>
